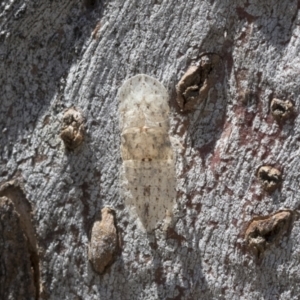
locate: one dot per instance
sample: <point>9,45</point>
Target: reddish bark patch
<point>172,234</point>
<point>46,120</point>
<point>159,277</point>
<point>216,159</point>
<point>242,14</point>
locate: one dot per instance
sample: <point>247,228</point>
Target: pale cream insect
<point>148,175</point>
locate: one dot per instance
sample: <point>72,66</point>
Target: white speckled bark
<point>57,54</point>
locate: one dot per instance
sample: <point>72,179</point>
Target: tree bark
<point>234,228</point>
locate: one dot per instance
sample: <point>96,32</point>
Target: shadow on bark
<point>205,123</point>
<point>38,44</point>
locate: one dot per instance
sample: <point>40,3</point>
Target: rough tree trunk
<point>60,54</point>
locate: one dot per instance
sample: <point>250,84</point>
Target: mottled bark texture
<point>55,55</point>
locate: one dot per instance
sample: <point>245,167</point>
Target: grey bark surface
<point>59,54</point>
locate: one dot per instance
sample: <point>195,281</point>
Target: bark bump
<point>269,177</point>
<point>195,84</point>
<point>265,231</point>
<point>103,243</point>
<point>72,132</point>
<point>281,110</point>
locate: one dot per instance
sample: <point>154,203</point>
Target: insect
<point>148,173</point>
